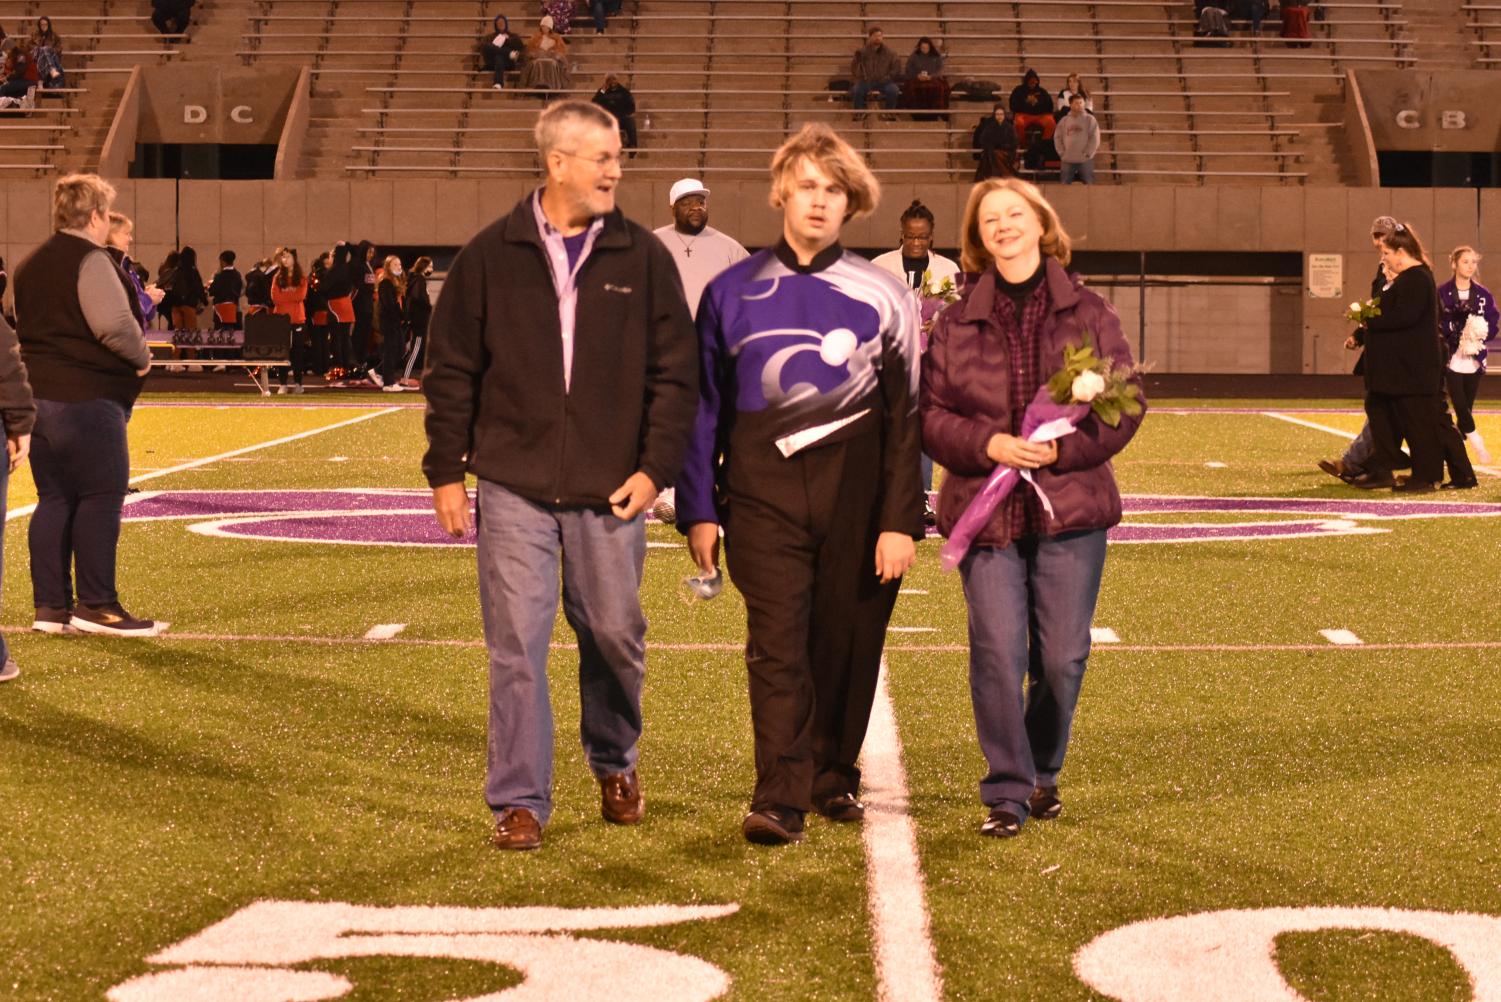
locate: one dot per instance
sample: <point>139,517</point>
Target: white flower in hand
<point>1088,385</point>
<point>1354,307</point>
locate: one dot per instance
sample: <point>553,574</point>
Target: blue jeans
<point>81,464</point>
<point>1068,172</point>
<point>1030,606</point>
<point>889,89</point>
<point>521,545</point>
<point>601,9</point>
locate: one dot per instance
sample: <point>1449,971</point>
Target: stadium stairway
<point>1441,34</point>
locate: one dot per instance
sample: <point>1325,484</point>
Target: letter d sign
<point>194,114</point>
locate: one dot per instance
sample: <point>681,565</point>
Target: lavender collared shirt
<point>564,275</point>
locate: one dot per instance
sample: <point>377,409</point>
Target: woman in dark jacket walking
<point>1033,573</point>
<point>419,309</point>
<point>1460,299</point>
<point>188,292</point>
<point>1404,371</point>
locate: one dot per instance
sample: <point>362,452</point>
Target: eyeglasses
<point>601,163</point>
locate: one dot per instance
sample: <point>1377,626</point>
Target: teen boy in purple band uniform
<point>806,448</point>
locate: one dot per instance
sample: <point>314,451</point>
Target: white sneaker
<point>10,670</point>
<point>496,87</point>
<point>375,378</point>
<point>1478,444</point>
<point>281,390</point>
<point>297,388</point>
<point>393,388</point>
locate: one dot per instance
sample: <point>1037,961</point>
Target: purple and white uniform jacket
<point>802,356</point>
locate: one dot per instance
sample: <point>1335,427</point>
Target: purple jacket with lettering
<point>1452,314</point>
<point>966,398</point>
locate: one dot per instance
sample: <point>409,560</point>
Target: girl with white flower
<point>1467,319</point>
<point>1032,573</point>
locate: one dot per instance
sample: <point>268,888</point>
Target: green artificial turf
<point>151,788</point>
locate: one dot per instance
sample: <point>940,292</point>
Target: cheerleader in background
<point>1459,300</point>
<point>289,298</point>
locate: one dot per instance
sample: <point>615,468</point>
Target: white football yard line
<point>1103,635</point>
<point>1311,424</point>
<point>1344,638</point>
<point>196,463</point>
<point>906,965</point>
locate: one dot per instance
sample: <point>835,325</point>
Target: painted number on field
<point>1230,956</point>
<point>249,956</point>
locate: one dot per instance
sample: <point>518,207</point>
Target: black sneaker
<point>841,808</point>
<point>773,826</point>
<point>111,619</point>
<point>50,620</point>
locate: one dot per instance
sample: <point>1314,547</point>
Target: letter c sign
<point>242,114</point>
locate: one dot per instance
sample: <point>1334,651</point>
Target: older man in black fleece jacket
<point>563,373</point>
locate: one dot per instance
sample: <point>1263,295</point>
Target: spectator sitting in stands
<point>1071,87</point>
<point>1031,104</point>
<point>561,12</point>
<point>20,78</point>
<point>602,9</point>
<point>615,98</point>
<point>500,51</point>
<point>47,54</point>
<point>1254,11</point>
<point>546,54</point>
<point>994,142</point>
<point>172,17</point>
<point>925,86</point>
<point>875,67</point>
<point>1077,139</point>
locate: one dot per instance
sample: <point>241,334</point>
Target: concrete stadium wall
<point>252,217</point>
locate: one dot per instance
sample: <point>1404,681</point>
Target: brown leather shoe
<point>517,828</point>
<point>1044,804</point>
<point>1333,467</point>
<point>620,799</point>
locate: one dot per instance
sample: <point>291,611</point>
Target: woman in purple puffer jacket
<point>1031,579</point>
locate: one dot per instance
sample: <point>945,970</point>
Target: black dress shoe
<point>1001,824</point>
<point>773,826</point>
<point>1412,486</point>
<point>1459,485</point>
<point>1335,467</point>
<point>1044,804</point>
<point>842,808</point>
<point>1371,481</point>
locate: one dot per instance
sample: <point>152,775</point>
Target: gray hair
<point>1384,226</point>
<point>561,118</point>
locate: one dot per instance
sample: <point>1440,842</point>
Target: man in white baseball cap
<point>700,251</point>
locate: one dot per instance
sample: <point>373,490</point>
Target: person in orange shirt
<point>288,296</point>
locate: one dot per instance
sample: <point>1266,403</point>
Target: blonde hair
<point>1055,241</point>
<point>400,281</point>
<point>76,197</point>
<point>120,221</point>
<point>1461,251</point>
<point>823,147</point>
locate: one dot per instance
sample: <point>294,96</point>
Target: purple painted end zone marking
<point>403,517</point>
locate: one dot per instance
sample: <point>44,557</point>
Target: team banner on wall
<point>1452,110</point>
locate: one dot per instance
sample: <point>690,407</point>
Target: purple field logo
<point>364,517</point>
